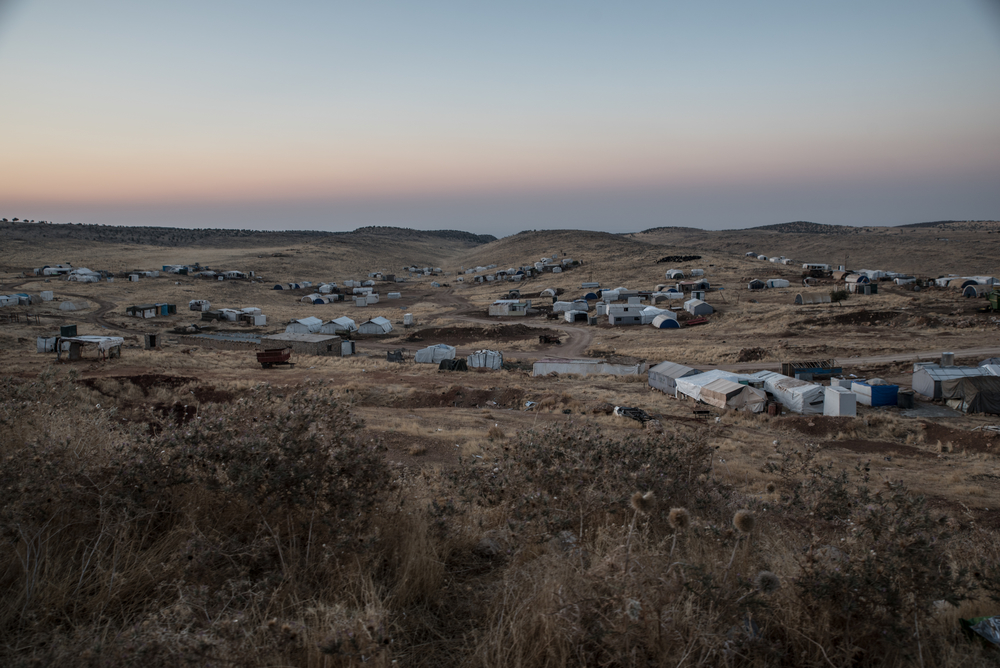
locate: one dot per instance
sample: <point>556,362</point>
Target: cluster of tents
<point>444,356</point>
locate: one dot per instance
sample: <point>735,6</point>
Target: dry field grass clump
<point>270,529</point>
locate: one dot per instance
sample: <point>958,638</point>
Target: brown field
<point>184,506</point>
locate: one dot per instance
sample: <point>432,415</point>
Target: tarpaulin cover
<point>485,359</point>
<point>724,393</point>
<point>663,376</point>
<point>796,395</point>
<point>691,386</point>
<point>979,394</point>
<point>103,343</point>
<point>434,354</point>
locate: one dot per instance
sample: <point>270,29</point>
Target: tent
<point>980,394</point>
<point>976,290</point>
<point>453,365</point>
<point>434,354</point>
<point>308,325</point>
<point>796,395</point>
<point>338,325</point>
<point>776,283</point>
<point>756,284</point>
<point>666,322</point>
<point>485,359</point>
<point>691,385</point>
<point>723,393</point>
<point>663,376</point>
<point>377,325</point>
<point>929,379</point>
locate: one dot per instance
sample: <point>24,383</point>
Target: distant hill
<point>178,236</point>
<point>805,227</point>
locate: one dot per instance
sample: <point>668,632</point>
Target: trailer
<point>269,358</point>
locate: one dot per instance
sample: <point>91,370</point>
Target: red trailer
<point>269,358</point>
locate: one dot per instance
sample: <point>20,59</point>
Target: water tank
<point>947,359</point>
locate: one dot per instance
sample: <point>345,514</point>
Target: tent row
<point>441,352</point>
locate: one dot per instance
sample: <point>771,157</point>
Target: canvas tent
<point>930,379</point>
<point>664,375</point>
<point>776,283</point>
<point>798,396</point>
<point>691,386</point>
<point>723,393</point>
<point>485,359</point>
<point>339,325</point>
<point>979,394</point>
<point>308,325</point>
<point>434,354</point>
<point>377,325</point>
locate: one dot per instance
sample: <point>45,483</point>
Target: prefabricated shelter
<point>434,354</point>
<point>756,284</point>
<point>936,382</point>
<point>575,316</point>
<point>664,375</point>
<point>875,395</point>
<point>664,321</point>
<point>142,311</point>
<point>855,279</point>
<point>798,396</point>
<point>342,325</point>
<point>975,291</point>
<point>316,298</point>
<point>776,283</point>
<point>361,300</point>
<point>723,393</point>
<point>308,325</point>
<point>377,325</point>
<point>761,257</point>
<point>624,314</point>
<point>199,305</point>
<point>312,343</point>
<point>559,307</point>
<point>674,274</point>
<point>812,298</point>
<point>393,295</point>
<point>503,307</point>
<point>840,402</point>
<point>485,359</point>
<point>585,367</point>
<point>697,307</point>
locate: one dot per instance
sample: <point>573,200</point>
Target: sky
<point>499,117</point>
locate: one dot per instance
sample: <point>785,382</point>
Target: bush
<point>839,295</point>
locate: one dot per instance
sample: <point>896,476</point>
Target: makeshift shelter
<point>107,346</point>
<point>377,325</point>
<point>673,274</point>
<point>930,379</point>
<point>664,375</point>
<point>342,325</point>
<point>434,354</point>
<point>839,401</point>
<point>875,395</point>
<point>308,325</point>
<point>756,284</point>
<point>812,298</point>
<point>142,311</point>
<point>798,396</point>
<point>776,283</point>
<point>575,316</point>
<point>453,365</point>
<point>692,385</point>
<point>980,394</point>
<point>199,305</point>
<point>485,359</point>
<point>665,321</point>
<point>723,393</point>
<point>697,307</point>
<point>312,343</point>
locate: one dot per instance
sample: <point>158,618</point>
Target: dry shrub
<point>417,449</point>
<point>495,433</point>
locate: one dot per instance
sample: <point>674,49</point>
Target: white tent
<point>485,359</point>
<point>308,325</point>
<point>796,395</point>
<point>338,325</point>
<point>698,307</point>
<point>377,325</point>
<point>434,354</point>
<point>776,283</point>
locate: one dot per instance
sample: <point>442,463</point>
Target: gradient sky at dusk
<point>498,117</point>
